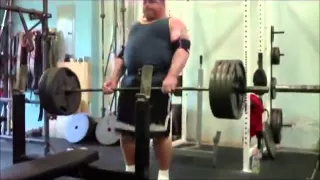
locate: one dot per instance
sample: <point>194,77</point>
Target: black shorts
<point>159,110</point>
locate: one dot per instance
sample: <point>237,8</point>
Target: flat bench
<point>50,167</point>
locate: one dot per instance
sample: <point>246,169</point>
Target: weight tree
<point>43,17</point>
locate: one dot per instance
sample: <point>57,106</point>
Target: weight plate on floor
<point>105,130</point>
<point>276,124</point>
<point>268,140</point>
<point>79,127</point>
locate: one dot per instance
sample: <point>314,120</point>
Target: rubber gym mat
<point>286,165</point>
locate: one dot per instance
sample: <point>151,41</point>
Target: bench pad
<point>51,166</point>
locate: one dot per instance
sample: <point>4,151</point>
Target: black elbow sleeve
<point>121,53</point>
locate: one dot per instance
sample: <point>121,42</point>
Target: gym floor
<point>286,166</point>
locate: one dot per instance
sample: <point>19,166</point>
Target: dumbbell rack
<point>272,51</point>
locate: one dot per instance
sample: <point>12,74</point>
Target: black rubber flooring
<point>286,166</point>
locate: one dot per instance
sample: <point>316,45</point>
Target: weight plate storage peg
<point>275,56</point>
<point>273,91</point>
<point>52,91</point>
<point>106,132</point>
<point>224,101</point>
<point>276,124</point>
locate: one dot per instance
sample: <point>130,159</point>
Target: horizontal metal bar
<point>298,88</point>
<point>256,89</point>
<point>137,88</point>
<point>22,10</point>
<point>7,100</point>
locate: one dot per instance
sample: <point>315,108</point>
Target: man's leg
<point>126,107</point>
<point>162,141</point>
<point>128,146</point>
<point>163,151</point>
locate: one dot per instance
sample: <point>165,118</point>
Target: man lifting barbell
<point>162,42</point>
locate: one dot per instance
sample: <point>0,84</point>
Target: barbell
<point>60,90</point>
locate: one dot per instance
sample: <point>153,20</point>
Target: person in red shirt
<point>256,122</point>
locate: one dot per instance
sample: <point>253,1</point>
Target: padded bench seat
<point>52,166</point>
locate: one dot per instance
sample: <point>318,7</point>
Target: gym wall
<point>217,33</point>
<point>85,41</point>
<point>300,65</point>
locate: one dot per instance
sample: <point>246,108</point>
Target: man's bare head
<point>153,9</point>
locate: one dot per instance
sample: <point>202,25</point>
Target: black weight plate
<point>273,88</point>
<point>44,97</point>
<point>63,103</point>
<point>268,139</point>
<point>276,124</point>
<point>227,89</point>
<point>50,92</point>
<point>222,79</point>
<point>239,80</point>
<point>214,90</point>
<point>275,56</point>
<point>224,102</point>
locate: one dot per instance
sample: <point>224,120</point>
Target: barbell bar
<point>248,89</point>
<point>60,92</point>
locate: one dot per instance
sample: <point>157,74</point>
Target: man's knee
<point>161,139</point>
<point>127,138</point>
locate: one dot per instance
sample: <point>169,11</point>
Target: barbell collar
<point>298,88</point>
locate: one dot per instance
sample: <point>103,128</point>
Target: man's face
<point>153,9</point>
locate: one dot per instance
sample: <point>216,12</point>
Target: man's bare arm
<point>118,69</point>
<point>180,57</point>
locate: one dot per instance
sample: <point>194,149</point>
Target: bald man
<point>155,40</point>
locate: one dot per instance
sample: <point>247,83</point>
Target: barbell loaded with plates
<point>60,94</point>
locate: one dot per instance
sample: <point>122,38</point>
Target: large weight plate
<point>276,124</point>
<point>105,130</point>
<point>79,127</point>
<point>268,139</point>
<point>214,89</point>
<point>55,99</point>
<point>224,101</point>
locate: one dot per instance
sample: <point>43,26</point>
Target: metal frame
<point>186,148</point>
<point>247,60</point>
<point>43,16</point>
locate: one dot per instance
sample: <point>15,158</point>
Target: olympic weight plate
<point>42,90</point>
<point>275,56</point>
<point>105,130</point>
<point>273,88</point>
<point>268,140</point>
<point>224,101</point>
<point>79,127</point>
<point>61,102</point>
<point>276,124</point>
<point>214,89</point>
